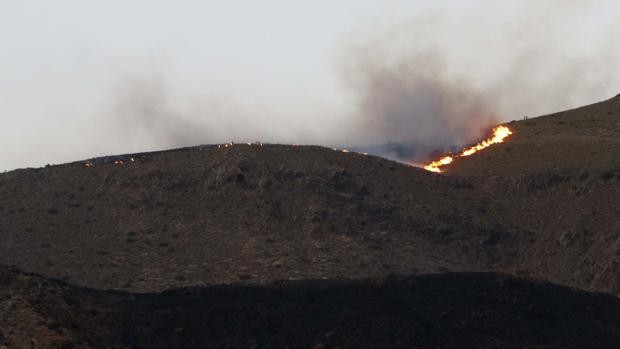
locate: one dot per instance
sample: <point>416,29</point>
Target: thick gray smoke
<point>412,99</point>
<point>441,81</point>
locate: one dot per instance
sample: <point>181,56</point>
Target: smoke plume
<point>413,99</point>
<point>442,80</point>
<point>399,79</point>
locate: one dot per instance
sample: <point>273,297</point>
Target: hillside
<point>469,310</point>
<point>558,177</point>
<point>256,214</point>
<point>252,245</point>
<point>573,141</point>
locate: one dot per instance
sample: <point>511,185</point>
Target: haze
<point>81,78</point>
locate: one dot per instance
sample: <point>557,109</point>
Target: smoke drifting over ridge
<point>150,108</point>
<point>412,100</point>
<point>428,75</point>
<point>414,87</point>
<point>141,108</point>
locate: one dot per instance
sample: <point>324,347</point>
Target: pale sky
<point>87,78</point>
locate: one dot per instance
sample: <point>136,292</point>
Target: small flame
<point>435,165</point>
<point>499,134</point>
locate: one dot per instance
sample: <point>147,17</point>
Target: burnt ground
<point>465,310</point>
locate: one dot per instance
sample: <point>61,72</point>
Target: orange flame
<point>435,165</point>
<point>499,134</point>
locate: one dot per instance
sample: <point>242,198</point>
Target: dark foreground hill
<point>257,214</point>
<point>467,310</point>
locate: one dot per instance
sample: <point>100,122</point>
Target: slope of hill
<point>469,310</point>
<point>239,213</point>
<point>582,139</point>
<point>558,176</point>
<point>256,214</point>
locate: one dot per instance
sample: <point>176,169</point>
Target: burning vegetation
<point>499,134</point>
